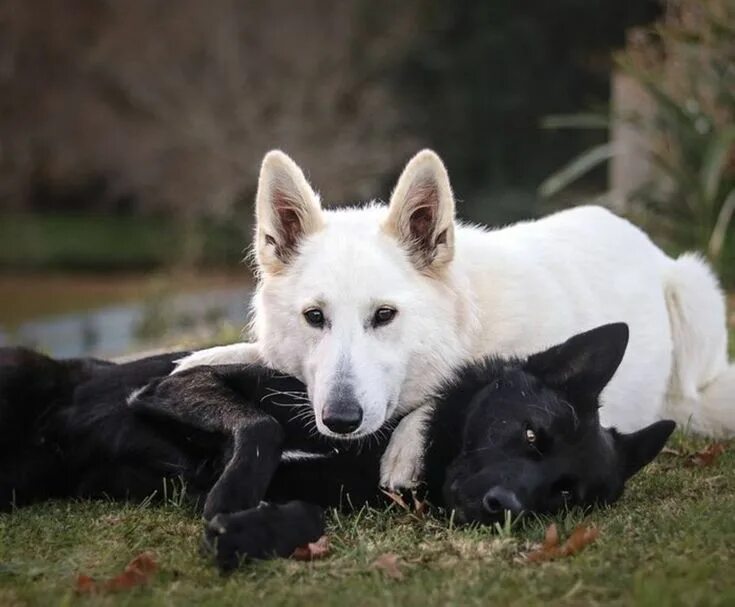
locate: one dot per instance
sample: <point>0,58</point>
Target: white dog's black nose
<point>342,418</point>
<point>499,499</point>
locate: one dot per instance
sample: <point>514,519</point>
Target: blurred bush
<point>685,64</point>
<point>155,108</point>
<point>94,241</point>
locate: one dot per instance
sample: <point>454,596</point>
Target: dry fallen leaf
<point>707,456</point>
<point>397,499</point>
<point>551,538</point>
<point>313,551</point>
<point>420,506</point>
<point>581,537</point>
<point>137,572</point>
<point>84,584</point>
<point>389,564</point>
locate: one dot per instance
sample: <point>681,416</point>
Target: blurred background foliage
<point>131,133</point>
<point>682,73</point>
<point>154,108</point>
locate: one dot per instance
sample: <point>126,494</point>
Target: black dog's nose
<point>499,499</point>
<point>342,419</point>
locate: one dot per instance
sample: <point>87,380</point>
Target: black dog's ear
<point>637,449</point>
<point>584,364</point>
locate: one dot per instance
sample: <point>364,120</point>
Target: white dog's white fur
<point>463,292</point>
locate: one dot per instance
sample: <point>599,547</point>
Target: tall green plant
<point>689,75</point>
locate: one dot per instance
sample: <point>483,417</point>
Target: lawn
<point>669,541</point>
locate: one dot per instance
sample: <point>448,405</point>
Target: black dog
<point>517,435</point>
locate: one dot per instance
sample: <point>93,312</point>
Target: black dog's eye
<point>383,315</point>
<point>530,435</point>
<point>315,317</point>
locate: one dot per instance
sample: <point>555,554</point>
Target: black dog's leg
<point>201,398</point>
<point>256,453</point>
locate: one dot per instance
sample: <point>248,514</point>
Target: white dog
<point>373,307</point>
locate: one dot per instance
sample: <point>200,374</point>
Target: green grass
<point>669,541</point>
<point>111,242</point>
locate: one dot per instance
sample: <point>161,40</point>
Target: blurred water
<point>116,330</point>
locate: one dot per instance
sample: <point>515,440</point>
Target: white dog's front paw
<point>402,463</point>
<point>401,467</point>
<point>236,354</point>
<point>197,359</point>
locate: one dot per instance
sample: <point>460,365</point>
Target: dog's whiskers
<point>304,416</point>
<point>294,394</point>
<point>300,398</point>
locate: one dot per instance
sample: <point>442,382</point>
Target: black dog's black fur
<point>505,435</point>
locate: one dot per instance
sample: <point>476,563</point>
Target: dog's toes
<point>401,467</point>
<point>398,482</point>
<point>220,540</point>
<point>400,472</point>
<point>268,531</point>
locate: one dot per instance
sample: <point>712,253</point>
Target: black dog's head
<point>532,440</point>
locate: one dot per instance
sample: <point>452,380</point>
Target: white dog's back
<point>539,282</point>
<point>449,293</point>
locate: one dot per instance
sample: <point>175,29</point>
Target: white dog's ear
<point>287,210</point>
<point>421,212</point>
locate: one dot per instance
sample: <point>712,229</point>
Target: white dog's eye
<point>315,317</point>
<point>384,315</point>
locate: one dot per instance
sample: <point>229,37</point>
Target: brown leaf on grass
<point>145,562</point>
<point>137,572</point>
<point>312,551</point>
<point>397,499</point>
<point>125,581</point>
<point>706,457</point>
<point>84,584</point>
<point>549,549</point>
<point>420,506</point>
<point>551,538</point>
<point>389,564</point>
<point>582,536</point>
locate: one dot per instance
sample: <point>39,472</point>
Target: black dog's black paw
<point>268,531</point>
